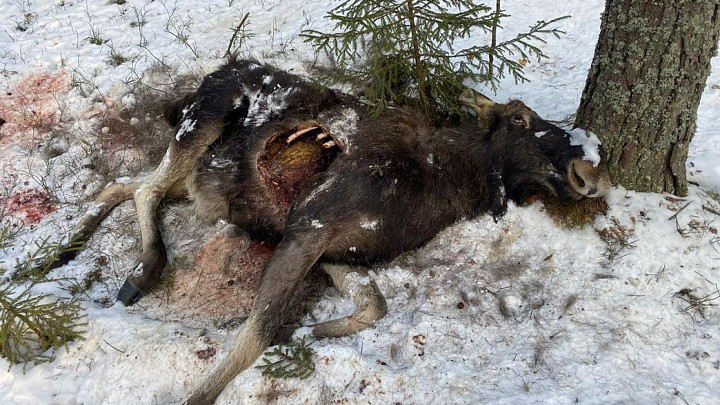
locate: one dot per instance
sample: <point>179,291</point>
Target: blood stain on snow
<point>33,104</point>
<point>222,281</point>
<point>30,205</point>
<point>206,354</point>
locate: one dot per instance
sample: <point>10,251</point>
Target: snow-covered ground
<point>519,311</point>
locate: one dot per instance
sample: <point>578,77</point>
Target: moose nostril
<point>593,190</point>
<point>580,180</point>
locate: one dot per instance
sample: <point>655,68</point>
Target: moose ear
<point>479,103</point>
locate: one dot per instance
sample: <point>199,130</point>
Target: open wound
<point>294,155</point>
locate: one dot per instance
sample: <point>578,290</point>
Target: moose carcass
<point>292,162</point>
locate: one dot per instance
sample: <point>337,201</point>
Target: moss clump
<point>575,214</point>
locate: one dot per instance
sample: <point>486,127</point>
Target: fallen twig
<point>108,343</point>
<point>680,210</point>
<point>708,209</point>
<point>235,33</point>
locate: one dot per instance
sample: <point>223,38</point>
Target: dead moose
<point>295,163</point>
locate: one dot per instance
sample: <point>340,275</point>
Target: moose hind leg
<point>179,161</point>
<point>369,302</point>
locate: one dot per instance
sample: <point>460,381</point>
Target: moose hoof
<point>129,294</point>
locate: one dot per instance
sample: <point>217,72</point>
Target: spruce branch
<point>493,37</point>
<point>5,236</point>
<point>291,361</point>
<point>47,256</point>
<point>31,324</point>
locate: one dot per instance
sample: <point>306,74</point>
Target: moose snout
<point>588,180</point>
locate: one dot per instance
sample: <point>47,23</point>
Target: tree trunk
<point>642,93</point>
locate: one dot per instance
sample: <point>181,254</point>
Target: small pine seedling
<point>291,361</point>
<point>404,51</point>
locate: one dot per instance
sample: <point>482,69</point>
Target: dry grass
<point>618,238</point>
<point>698,305</point>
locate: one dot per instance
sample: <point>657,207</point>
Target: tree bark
<point>642,93</point>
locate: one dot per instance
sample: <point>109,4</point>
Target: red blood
<point>30,205</point>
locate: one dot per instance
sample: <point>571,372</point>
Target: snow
<point>263,106</point>
<point>186,126</point>
<point>589,142</point>
<point>341,126</point>
<point>221,163</point>
<point>323,188</point>
<point>370,225</point>
<point>95,208</point>
<point>548,314</point>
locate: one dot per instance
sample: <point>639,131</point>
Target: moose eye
<point>518,119</point>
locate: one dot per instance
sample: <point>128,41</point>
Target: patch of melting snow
<point>95,208</point>
<point>221,163</point>
<point>357,279</point>
<point>370,225</point>
<point>321,188</point>
<point>342,126</point>
<point>122,180</point>
<point>316,224</point>
<point>589,142</point>
<point>541,134</point>
<point>186,126</point>
<point>165,164</point>
<point>138,270</point>
<point>263,106</point>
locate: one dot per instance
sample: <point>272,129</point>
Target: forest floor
<point>525,310</point>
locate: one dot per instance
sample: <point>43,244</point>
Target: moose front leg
<point>369,302</point>
<point>293,258</point>
<point>170,176</point>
